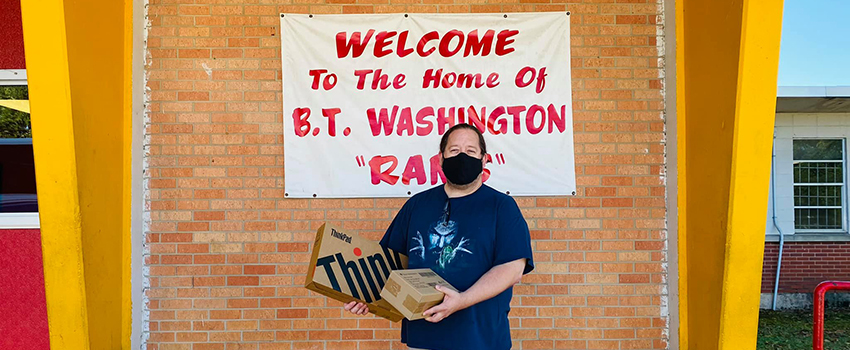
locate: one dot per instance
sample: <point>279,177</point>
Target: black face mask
<point>462,169</point>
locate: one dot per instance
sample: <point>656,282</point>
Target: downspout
<point>781,235</point>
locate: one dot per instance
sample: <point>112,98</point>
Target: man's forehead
<point>463,136</point>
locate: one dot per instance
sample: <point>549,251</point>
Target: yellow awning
<point>20,105</point>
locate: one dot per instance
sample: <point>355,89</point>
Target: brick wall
<point>227,252</point>
<point>804,265</point>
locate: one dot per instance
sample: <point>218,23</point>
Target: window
<point>18,201</point>
<point>819,185</point>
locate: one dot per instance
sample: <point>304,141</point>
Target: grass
<point>792,330</point>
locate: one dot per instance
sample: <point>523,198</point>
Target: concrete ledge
<point>796,301</point>
<point>810,237</point>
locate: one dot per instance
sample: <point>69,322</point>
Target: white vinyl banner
<point>366,99</point>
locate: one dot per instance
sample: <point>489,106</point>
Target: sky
<point>815,49</point>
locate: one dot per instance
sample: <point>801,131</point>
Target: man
<point>474,237</point>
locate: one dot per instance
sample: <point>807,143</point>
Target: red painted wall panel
<point>23,309</point>
<point>11,35</point>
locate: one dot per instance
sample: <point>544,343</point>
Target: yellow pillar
<point>727,57</point>
<point>56,172</point>
<point>755,113</point>
<point>79,65</point>
<point>99,63</point>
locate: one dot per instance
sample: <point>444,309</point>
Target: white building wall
<point>790,126</point>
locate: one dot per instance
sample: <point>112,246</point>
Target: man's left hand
<point>452,301</point>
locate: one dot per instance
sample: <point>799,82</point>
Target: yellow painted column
<point>79,63</point>
<point>99,61</point>
<point>727,60</point>
<point>681,151</point>
<point>127,177</point>
<point>755,115</point>
<point>56,172</point>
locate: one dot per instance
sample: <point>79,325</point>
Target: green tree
<point>14,124</point>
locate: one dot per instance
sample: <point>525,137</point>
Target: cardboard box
<point>347,267</point>
<point>412,291</point>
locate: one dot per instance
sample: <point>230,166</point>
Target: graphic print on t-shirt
<point>442,243</point>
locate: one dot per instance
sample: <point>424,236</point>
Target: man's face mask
<point>462,169</point>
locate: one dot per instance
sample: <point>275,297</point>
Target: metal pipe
<point>820,293</point>
<point>781,235</point>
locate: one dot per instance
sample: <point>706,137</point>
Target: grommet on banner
<point>311,16</point>
<point>405,15</point>
<point>568,13</point>
<point>506,16</point>
<point>508,192</point>
<point>286,194</point>
<point>574,193</point>
<point>281,15</point>
<point>314,195</point>
<point>408,193</point>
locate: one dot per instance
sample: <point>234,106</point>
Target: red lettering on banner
<point>415,169</point>
<point>299,119</point>
<point>402,50</point>
<point>444,122</point>
<point>344,46</point>
<point>437,170</point>
<point>331,113</point>
<point>424,128</point>
<point>422,42</point>
<point>405,122</point>
<point>436,79</point>
<point>541,80</point>
<point>467,80</point>
<point>540,76</point>
<point>520,77</point>
<point>493,80</point>
<point>491,121</point>
<point>503,40</point>
<point>500,119</point>
<point>381,42</point>
<point>398,81</point>
<point>449,80</point>
<point>477,121</point>
<point>445,51</point>
<point>515,111</point>
<point>556,120</point>
<point>316,74</point>
<point>529,119</point>
<point>375,165</point>
<point>475,46</point>
<point>381,121</point>
<point>448,44</point>
<point>431,77</point>
<point>361,77</point>
<point>379,79</point>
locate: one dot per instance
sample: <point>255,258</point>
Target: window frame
<point>843,189</point>
<point>13,77</point>
<point>30,220</point>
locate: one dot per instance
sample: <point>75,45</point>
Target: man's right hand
<point>357,308</point>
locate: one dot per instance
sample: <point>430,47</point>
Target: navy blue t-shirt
<point>461,239</point>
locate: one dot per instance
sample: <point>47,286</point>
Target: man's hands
<point>452,301</point>
<point>357,308</point>
<point>496,280</point>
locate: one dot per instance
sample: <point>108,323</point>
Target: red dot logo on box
<point>357,251</point>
